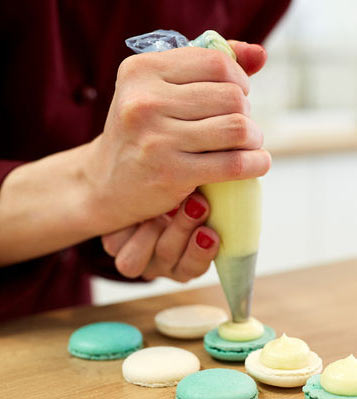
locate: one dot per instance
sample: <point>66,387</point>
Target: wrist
<point>98,216</point>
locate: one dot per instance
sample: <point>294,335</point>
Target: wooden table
<point>316,304</point>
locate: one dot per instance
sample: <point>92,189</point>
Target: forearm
<point>44,207</point>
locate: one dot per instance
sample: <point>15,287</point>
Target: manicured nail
<point>194,209</point>
<point>204,241</point>
<point>172,213</point>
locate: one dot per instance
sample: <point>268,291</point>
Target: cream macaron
<point>284,362</point>
<point>159,366</point>
<point>189,322</point>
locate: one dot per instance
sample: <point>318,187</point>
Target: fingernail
<point>194,209</point>
<point>172,213</point>
<point>204,241</point>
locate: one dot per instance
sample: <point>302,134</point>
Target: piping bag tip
<point>237,278</point>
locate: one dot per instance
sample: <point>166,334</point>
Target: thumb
<point>251,57</point>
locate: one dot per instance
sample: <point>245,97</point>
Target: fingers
<point>173,241</point>
<point>229,165</point>
<point>219,133</point>
<point>205,99</point>
<point>201,250</point>
<point>194,64</point>
<point>251,57</point>
<point>134,256</point>
<point>114,241</point>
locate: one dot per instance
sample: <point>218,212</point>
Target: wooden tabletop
<point>316,304</point>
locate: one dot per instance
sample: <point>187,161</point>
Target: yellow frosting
<point>245,331</point>
<point>340,378</point>
<point>235,215</point>
<point>285,353</point>
<point>235,205</point>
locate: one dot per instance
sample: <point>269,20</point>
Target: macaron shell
<point>105,341</point>
<point>217,384</point>
<point>235,351</point>
<point>189,322</point>
<point>159,366</point>
<point>314,390</point>
<point>282,378</point>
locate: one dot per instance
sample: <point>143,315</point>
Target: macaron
<point>314,390</point>
<point>105,341</point>
<point>217,384</point>
<point>235,351</point>
<point>338,381</point>
<point>159,366</point>
<point>189,322</point>
<point>285,362</point>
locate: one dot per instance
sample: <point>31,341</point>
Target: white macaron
<point>284,362</point>
<point>159,366</point>
<point>189,322</point>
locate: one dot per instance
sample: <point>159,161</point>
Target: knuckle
<point>136,109</point>
<point>268,162</point>
<point>164,254</point>
<point>190,271</point>
<point>123,267</point>
<point>217,61</point>
<point>134,106</point>
<point>126,67</point>
<point>238,128</point>
<point>259,140</point>
<point>236,95</point>
<point>182,278</point>
<point>134,64</point>
<point>235,165</point>
<point>246,84</point>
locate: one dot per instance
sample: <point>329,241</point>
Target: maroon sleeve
<point>264,20</point>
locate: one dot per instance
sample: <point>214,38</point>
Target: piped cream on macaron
<point>338,380</point>
<point>240,332</point>
<point>340,377</point>
<point>233,341</point>
<point>284,362</point>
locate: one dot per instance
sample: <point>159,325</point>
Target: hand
<point>178,119</point>
<point>175,246</point>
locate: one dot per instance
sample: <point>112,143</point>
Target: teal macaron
<point>105,341</point>
<point>217,384</point>
<point>233,351</point>
<point>314,390</point>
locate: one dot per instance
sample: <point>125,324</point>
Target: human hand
<point>178,119</point>
<point>176,246</point>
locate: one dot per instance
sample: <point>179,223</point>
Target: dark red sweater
<point>58,65</point>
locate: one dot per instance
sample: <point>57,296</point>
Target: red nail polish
<point>173,212</point>
<point>194,209</point>
<point>204,241</point>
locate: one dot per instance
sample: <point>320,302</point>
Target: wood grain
<point>316,304</point>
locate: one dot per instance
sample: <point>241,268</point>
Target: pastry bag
<point>235,205</point>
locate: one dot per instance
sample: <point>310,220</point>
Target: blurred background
<point>306,101</point>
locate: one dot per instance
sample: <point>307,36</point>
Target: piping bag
<point>235,206</point>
